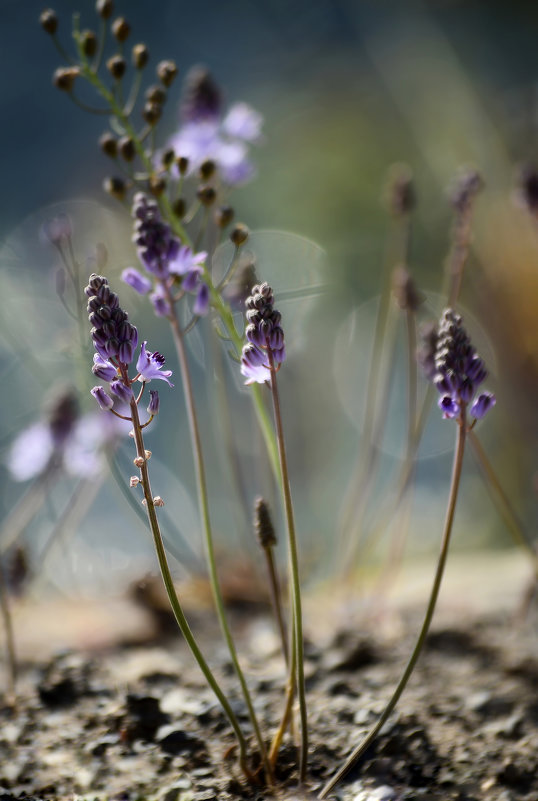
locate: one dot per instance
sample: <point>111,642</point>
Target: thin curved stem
<point>172,595</point>
<point>451,508</point>
<point>294,571</point>
<point>208,536</point>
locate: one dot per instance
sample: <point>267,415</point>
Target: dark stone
<point>177,741</point>
<point>144,717</point>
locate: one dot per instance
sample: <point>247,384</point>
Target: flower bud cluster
<point>168,262</point>
<point>263,332</point>
<point>459,370</point>
<point>112,334</point>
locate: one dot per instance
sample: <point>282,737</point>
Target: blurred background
<point>346,88</point>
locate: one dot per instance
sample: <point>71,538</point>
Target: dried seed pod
<point>109,144</point>
<point>64,78</point>
<point>116,66</point>
<point>140,56</point>
<point>49,21</point>
<point>121,29</point>
<point>239,234</point>
<point>166,72</point>
<point>104,8</point>
<point>263,525</point>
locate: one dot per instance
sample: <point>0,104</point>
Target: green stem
<point>294,570</point>
<point>172,595</point>
<point>451,508</point>
<point>206,524</point>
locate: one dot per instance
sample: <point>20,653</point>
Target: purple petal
<point>448,406</point>
<point>136,280</point>
<point>201,304</point>
<point>103,399</point>
<point>482,405</point>
<point>31,452</point>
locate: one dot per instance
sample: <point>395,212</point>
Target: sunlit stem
<point>294,572</point>
<point>502,501</point>
<point>10,638</point>
<point>206,525</point>
<point>172,595</point>
<point>451,508</point>
<point>290,695</point>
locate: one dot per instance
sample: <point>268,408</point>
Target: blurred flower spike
<point>459,370</point>
<point>64,440</point>
<point>263,333</point>
<point>207,135</point>
<point>169,263</point>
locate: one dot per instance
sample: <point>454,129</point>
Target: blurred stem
<point>172,595</point>
<point>203,500</point>
<point>276,599</point>
<point>10,638</point>
<point>502,501</point>
<point>294,571</point>
<point>451,508</point>
<point>25,509</point>
<point>290,695</point>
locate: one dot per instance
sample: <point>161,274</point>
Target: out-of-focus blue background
<point>346,89</point>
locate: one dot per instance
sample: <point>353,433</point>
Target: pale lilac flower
<point>186,261</point>
<point>136,280</point>
<point>121,391</point>
<point>57,229</point>
<point>31,452</point>
<point>243,122</point>
<point>161,307</point>
<point>150,365</point>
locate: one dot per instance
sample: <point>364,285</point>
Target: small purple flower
<point>57,230</point>
<point>136,281</point>
<point>254,365</point>
<point>150,365</point>
<point>161,306</point>
<point>103,369</point>
<point>449,407</point>
<point>186,262</point>
<point>154,403</point>
<point>121,391</point>
<point>103,399</point>
<point>482,405</point>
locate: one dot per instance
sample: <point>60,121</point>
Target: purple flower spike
<point>201,304</point>
<point>103,369</point>
<point>482,405</point>
<point>105,401</point>
<point>154,403</point>
<point>136,281</point>
<point>150,365</point>
<point>458,369</point>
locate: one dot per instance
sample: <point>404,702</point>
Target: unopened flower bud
<point>206,195</point>
<point>49,21</point>
<point>155,94</point>
<point>239,234</point>
<point>154,403</point>
<point>121,29</point>
<point>166,71</point>
<point>182,165</point>
<point>156,185</point>
<point>401,197</point>
<point>223,216</point>
<point>207,169</point>
<point>158,501</point>
<point>115,186</point>
<point>263,525</point>
<point>104,8</point>
<point>105,401</point>
<point>127,148</point>
<point>168,157</point>
<point>109,144</point>
<point>140,56</point>
<point>139,461</point>
<point>405,292</point>
<point>64,78</point>
<point>134,481</point>
<point>147,454</point>
<point>88,42</point>
<point>116,66</point>
<point>151,113</point>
